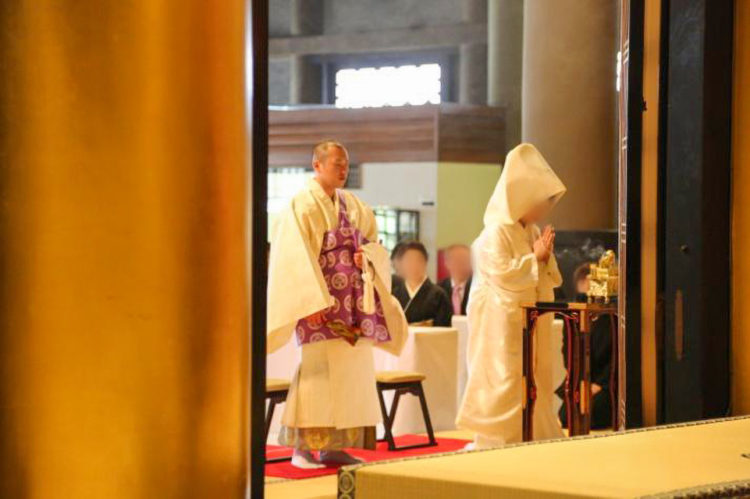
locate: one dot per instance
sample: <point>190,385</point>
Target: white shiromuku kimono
<point>506,274</point>
<point>333,395</point>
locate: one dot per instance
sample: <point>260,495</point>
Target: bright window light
<point>388,86</point>
<point>283,184</point>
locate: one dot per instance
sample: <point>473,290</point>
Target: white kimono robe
<point>334,387</point>
<point>506,274</point>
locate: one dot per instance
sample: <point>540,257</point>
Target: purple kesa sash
<point>344,281</point>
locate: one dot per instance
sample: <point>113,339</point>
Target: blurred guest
<point>601,358</point>
<point>396,253</point>
<point>424,303</point>
<point>457,286</point>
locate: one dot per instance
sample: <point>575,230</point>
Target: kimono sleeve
<point>550,273</point>
<point>296,288</point>
<point>514,273</point>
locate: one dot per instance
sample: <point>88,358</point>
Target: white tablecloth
<point>281,364</point>
<point>461,325</point>
<point>433,351</point>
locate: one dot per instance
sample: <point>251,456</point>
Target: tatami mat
<point>626,465</point>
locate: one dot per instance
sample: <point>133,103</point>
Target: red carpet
<point>286,470</point>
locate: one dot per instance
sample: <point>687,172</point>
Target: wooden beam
<point>425,37</point>
<point>448,132</point>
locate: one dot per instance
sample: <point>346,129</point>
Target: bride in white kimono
<point>514,264</point>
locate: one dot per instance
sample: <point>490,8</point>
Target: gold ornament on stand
<point>604,279</point>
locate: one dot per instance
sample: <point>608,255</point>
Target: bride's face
<point>538,213</point>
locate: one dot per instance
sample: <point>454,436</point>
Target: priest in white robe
<point>515,263</point>
<point>329,286</point>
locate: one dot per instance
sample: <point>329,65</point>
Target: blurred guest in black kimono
<point>424,302</point>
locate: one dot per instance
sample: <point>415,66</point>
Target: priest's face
<point>333,169</point>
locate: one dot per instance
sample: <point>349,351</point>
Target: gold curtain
<point>123,344</point>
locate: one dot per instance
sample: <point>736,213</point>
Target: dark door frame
<point>258,126</point>
<point>629,226</point>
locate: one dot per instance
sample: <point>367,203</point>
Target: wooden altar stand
<point>578,318</point>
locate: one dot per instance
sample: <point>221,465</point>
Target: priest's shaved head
<point>320,151</point>
<point>331,164</point>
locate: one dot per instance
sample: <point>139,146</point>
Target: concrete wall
<point>279,74</point>
<point>353,16</point>
<point>350,16</point>
<point>347,16</point>
<point>407,186</point>
<point>279,17</point>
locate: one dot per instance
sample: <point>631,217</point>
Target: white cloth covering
<point>507,273</point>
<point>431,351</point>
<point>335,384</point>
<point>461,324</point>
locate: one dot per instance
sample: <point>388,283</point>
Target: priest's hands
<point>545,244</point>
<point>317,319</point>
<point>358,259</point>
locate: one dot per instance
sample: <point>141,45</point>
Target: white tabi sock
<point>304,459</point>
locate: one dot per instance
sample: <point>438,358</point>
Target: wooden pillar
<point>124,335</point>
<point>741,212</point>
<point>651,240</point>
<point>569,103</point>
<point>505,63</point>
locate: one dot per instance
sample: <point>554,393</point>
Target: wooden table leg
<point>613,372</point>
<point>579,416</point>
<point>570,406</point>
<point>585,411</point>
<point>529,387</point>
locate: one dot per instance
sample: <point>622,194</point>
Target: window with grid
<point>396,225</point>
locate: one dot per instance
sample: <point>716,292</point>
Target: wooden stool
<point>276,392</point>
<point>403,383</point>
